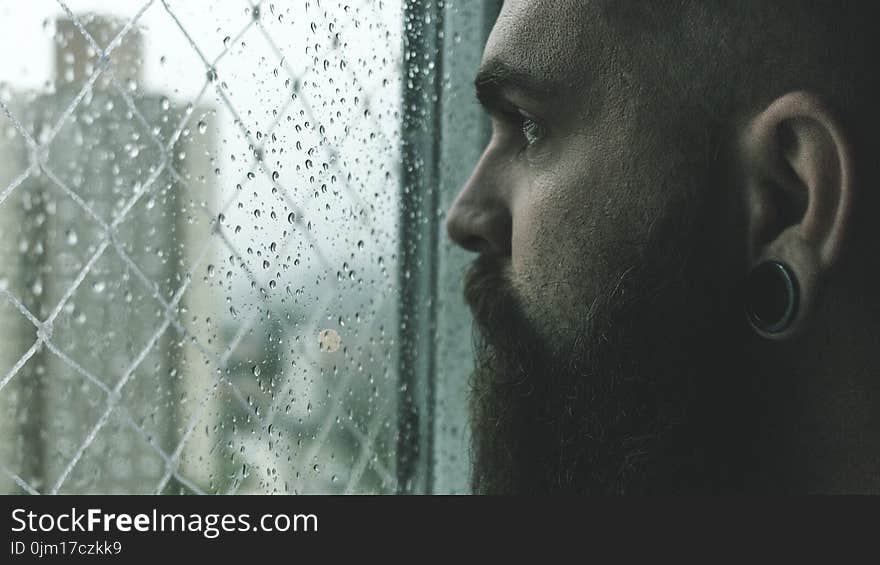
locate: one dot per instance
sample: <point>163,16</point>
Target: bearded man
<point>675,287</point>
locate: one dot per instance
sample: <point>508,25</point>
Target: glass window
<point>221,246</point>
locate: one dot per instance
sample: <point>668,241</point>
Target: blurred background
<point>222,259</point>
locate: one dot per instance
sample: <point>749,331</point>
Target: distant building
<point>105,156</point>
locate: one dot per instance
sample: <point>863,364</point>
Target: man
<point>676,281</point>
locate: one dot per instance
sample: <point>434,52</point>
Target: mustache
<point>501,326</point>
<point>489,292</point>
<point>484,274</point>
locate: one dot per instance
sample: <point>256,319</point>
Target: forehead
<point>551,40</point>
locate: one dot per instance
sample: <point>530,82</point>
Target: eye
<point>532,130</point>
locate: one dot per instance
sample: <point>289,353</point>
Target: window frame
<point>444,132</point>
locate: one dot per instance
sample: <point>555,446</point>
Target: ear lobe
<point>800,183</point>
<point>800,172</point>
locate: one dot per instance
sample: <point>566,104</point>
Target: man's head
<point>646,157</point>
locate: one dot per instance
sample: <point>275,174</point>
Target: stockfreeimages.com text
<point>209,525</point>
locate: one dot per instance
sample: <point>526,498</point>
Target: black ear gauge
<point>772,297</point>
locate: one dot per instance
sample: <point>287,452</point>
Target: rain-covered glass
<point>199,232</point>
<point>223,267</point>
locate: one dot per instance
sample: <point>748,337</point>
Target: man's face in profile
<point>597,212</point>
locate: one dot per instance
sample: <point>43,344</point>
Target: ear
<point>800,184</point>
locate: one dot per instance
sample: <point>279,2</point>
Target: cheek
<point>550,232</point>
<point>573,236</point>
<point>557,250</point>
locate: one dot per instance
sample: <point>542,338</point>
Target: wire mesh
<point>198,285</point>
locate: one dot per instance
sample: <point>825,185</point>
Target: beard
<point>646,395</point>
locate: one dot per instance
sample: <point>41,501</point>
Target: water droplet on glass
<point>203,127</point>
<point>71,237</point>
<point>291,217</point>
<point>99,286</point>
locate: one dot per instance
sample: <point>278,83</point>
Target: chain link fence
<point>198,236</point>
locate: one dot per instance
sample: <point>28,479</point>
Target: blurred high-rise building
<point>100,237</point>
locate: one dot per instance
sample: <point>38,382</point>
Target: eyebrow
<point>496,77</point>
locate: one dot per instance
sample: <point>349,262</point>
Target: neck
<point>821,430</point>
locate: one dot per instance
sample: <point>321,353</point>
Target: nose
<point>479,219</point>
